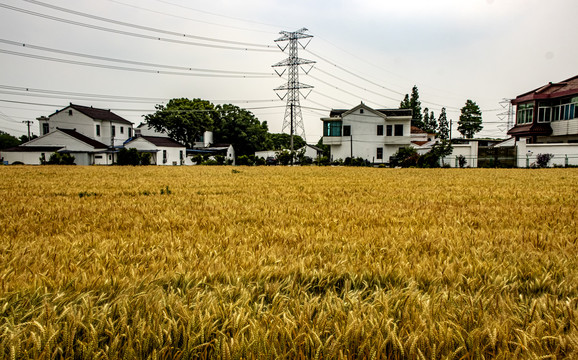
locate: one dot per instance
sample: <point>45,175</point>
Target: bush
<point>61,159</point>
<point>248,160</point>
<point>405,157</point>
<point>462,162</point>
<point>542,160</point>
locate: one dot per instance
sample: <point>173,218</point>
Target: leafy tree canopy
<point>240,128</point>
<point>7,140</point>
<point>182,119</point>
<point>470,119</point>
<point>283,141</point>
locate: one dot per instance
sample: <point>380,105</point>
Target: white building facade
<point>98,124</point>
<point>374,135</point>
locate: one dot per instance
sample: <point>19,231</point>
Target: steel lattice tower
<point>293,118</point>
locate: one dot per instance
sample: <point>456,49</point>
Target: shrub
<point>61,159</point>
<point>462,162</point>
<point>542,160</point>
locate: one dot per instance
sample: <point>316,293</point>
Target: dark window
<point>361,111</point>
<point>332,128</point>
<point>97,130</point>
<point>122,130</point>
<point>129,132</point>
<point>45,129</point>
<point>113,131</point>
<point>164,156</point>
<point>346,130</point>
<point>69,112</point>
<point>379,130</point>
<point>389,130</point>
<point>379,153</point>
<point>398,130</point>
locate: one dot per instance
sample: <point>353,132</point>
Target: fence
<point>521,155</point>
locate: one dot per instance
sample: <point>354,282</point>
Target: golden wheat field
<point>288,263</point>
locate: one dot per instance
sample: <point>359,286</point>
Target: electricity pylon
<point>293,118</point>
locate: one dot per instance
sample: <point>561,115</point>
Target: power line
<point>104,58</point>
<point>128,33</point>
<point>357,86</point>
<point>214,14</point>
<point>113,67</point>
<point>29,91</point>
<point>141,27</point>
<point>187,18</point>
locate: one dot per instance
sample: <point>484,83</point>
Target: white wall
<point>469,151</point>
<point>364,140</point>
<point>28,158</point>
<point>564,154</point>
<point>87,126</point>
<point>173,153</point>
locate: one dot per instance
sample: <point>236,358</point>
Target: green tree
<point>240,128</point>
<point>470,119</point>
<point>283,141</point>
<point>182,119</point>
<point>443,126</point>
<point>7,140</point>
<point>412,102</point>
<point>24,138</point>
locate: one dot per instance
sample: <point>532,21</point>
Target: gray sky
<point>366,50</point>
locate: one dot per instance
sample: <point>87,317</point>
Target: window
<point>129,132</point>
<point>97,130</point>
<point>122,130</point>
<point>398,130</point>
<point>389,129</point>
<point>45,128</point>
<point>361,111</point>
<point>379,130</point>
<point>70,112</point>
<point>525,113</point>
<point>164,156</point>
<point>113,131</point>
<point>544,114</point>
<point>379,153</point>
<point>346,130</point>
<point>332,128</point>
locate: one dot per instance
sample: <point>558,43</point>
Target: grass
<point>277,262</point>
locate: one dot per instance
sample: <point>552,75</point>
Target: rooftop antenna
<point>293,118</point>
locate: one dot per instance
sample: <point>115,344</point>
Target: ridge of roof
<point>95,113</point>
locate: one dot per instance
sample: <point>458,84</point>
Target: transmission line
<point>141,27</point>
<point>128,33</point>
<point>114,67</point>
<point>96,57</point>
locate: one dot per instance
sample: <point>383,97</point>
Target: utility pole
<point>28,123</point>
<point>293,118</point>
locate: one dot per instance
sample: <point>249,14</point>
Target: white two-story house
<point>371,134</point>
<point>98,124</point>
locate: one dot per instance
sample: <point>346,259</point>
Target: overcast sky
<point>366,50</point>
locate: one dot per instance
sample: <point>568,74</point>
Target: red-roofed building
<point>548,114</point>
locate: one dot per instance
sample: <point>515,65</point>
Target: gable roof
<point>550,91</point>
<point>380,112</point>
<point>85,139</point>
<point>161,141</point>
<point>96,114</point>
<point>416,130</point>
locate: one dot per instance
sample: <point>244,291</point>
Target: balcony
<point>396,140</point>
<point>332,140</point>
